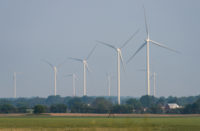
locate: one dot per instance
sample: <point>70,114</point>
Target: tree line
<point>85,104</point>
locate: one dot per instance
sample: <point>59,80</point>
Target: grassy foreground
<point>99,124</point>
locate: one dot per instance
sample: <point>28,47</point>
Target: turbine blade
<point>163,46</point>
<point>129,39</point>
<point>136,52</point>
<point>88,68</point>
<point>47,63</point>
<point>143,70</point>
<point>91,52</point>
<point>68,75</point>
<point>145,17</point>
<point>106,44</point>
<point>122,61</point>
<point>76,59</point>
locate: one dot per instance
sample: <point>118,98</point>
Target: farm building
<point>172,106</point>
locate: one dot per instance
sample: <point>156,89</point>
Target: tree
<point>39,109</point>
<point>147,101</point>
<point>76,105</point>
<point>74,100</point>
<point>188,109</point>
<point>172,99</point>
<point>58,108</point>
<point>81,108</point>
<point>5,101</point>
<point>22,105</point>
<point>135,104</point>
<point>192,108</point>
<point>87,99</point>
<point>161,101</point>
<point>7,108</point>
<point>54,100</point>
<point>101,105</point>
<point>122,109</point>
<point>155,109</point>
<point>21,109</point>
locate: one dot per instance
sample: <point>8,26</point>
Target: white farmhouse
<point>172,106</point>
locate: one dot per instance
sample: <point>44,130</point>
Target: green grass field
<point>32,123</point>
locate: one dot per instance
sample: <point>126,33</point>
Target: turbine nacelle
<point>55,68</point>
<point>118,50</point>
<point>85,62</point>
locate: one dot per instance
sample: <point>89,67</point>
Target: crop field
<point>63,123</point>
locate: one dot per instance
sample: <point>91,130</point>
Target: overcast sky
<point>31,30</point>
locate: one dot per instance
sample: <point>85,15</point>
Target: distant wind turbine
<point>55,74</point>
<point>74,78</point>
<point>85,66</point>
<point>119,58</point>
<point>153,76</point>
<point>146,43</point>
<point>15,83</point>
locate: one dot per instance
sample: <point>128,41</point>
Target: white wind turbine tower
<point>55,74</point>
<point>85,66</point>
<point>109,83</point>
<point>15,83</point>
<point>74,78</point>
<point>154,84</point>
<point>119,58</point>
<point>146,43</point>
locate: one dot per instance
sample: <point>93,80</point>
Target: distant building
<point>30,111</point>
<point>145,109</point>
<point>172,106</point>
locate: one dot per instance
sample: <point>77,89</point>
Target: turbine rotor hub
<point>84,61</point>
<point>118,49</point>
<point>55,69</point>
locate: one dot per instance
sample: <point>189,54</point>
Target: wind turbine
<point>55,74</point>
<point>146,43</point>
<point>119,58</point>
<point>85,66</point>
<point>15,83</point>
<point>74,78</point>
